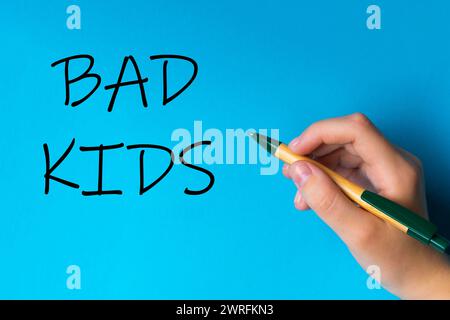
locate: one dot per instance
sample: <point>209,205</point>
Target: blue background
<point>262,64</point>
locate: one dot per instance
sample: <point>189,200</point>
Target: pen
<point>400,217</point>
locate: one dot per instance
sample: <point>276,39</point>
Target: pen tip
<point>267,143</point>
<point>253,135</point>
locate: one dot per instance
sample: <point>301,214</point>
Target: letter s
<point>210,175</point>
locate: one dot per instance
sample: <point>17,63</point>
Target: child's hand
<point>353,147</point>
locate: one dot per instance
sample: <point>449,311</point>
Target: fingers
<point>340,158</point>
<point>353,142</point>
<point>355,129</point>
<point>325,149</point>
<point>299,202</point>
<point>322,195</point>
<point>285,170</point>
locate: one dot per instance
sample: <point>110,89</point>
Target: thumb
<point>323,196</point>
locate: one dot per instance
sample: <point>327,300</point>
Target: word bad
<point>115,87</point>
<point>101,149</point>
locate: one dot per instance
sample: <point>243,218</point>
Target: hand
<point>354,148</point>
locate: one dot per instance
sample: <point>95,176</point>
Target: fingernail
<point>297,198</point>
<point>295,142</point>
<point>301,174</point>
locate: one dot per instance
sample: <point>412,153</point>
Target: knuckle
<point>360,120</point>
<point>314,127</point>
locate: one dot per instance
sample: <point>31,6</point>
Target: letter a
<point>374,20</point>
<point>74,20</point>
<point>374,279</point>
<point>74,279</point>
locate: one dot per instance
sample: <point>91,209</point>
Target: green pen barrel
<point>440,243</point>
<point>418,227</point>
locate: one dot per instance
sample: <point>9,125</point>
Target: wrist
<point>434,282</point>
